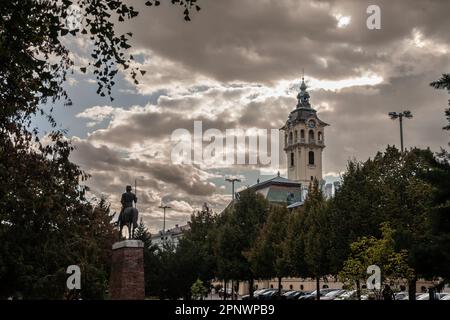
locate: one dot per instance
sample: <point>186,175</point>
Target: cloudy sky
<point>238,64</point>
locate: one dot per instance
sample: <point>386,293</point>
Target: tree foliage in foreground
<point>46,223</point>
<point>266,256</point>
<point>444,84</point>
<point>368,251</point>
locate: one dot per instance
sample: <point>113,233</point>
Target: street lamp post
<point>232,180</point>
<point>135,191</point>
<point>394,115</point>
<point>135,187</point>
<point>164,220</point>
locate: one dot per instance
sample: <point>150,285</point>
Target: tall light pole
<point>135,191</point>
<point>394,115</point>
<point>135,187</point>
<point>164,221</point>
<point>232,180</point>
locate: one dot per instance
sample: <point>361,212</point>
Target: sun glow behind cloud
<point>366,80</point>
<point>342,21</point>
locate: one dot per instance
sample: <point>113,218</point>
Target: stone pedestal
<point>127,271</point>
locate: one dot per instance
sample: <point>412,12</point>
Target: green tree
<point>316,240</point>
<point>31,31</point>
<point>199,241</point>
<point>353,210</point>
<point>294,245</point>
<point>266,257</point>
<point>432,255</point>
<point>367,251</point>
<point>152,263</point>
<point>238,229</point>
<point>444,83</point>
<point>172,270</point>
<point>394,188</point>
<point>46,224</point>
<point>198,290</point>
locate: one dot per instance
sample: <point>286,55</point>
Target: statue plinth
<point>127,271</point>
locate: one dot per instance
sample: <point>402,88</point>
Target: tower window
<point>311,158</point>
<point>311,135</point>
<point>302,134</point>
<point>292,159</point>
<point>295,136</point>
<point>319,136</point>
<point>290,137</point>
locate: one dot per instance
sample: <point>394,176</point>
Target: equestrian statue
<point>128,215</point>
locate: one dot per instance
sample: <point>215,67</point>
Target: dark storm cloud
<point>360,125</point>
<point>148,125</point>
<point>271,113</point>
<point>269,40</point>
<point>187,178</point>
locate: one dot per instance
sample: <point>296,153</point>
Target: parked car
<point>402,295</point>
<point>294,295</point>
<point>446,297</point>
<point>269,295</point>
<point>313,294</point>
<point>256,293</point>
<point>332,294</point>
<point>347,295</point>
<point>423,296</point>
<point>438,296</point>
<point>353,295</point>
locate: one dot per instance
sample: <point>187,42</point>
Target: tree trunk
<point>412,289</point>
<point>318,288</point>
<point>279,286</point>
<point>250,289</point>
<point>225,290</point>
<point>358,290</point>
<point>232,289</point>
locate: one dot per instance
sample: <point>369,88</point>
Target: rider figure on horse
<point>127,200</point>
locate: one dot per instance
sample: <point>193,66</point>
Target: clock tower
<point>304,141</point>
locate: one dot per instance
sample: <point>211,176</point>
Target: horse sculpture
<point>129,218</point>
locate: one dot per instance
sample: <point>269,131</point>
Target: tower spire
<point>303,95</point>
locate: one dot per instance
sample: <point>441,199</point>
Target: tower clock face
<point>311,124</point>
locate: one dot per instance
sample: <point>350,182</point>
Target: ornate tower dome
<point>304,140</point>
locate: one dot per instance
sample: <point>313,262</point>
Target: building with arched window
<point>311,158</point>
<point>303,145</point>
<point>305,154</point>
